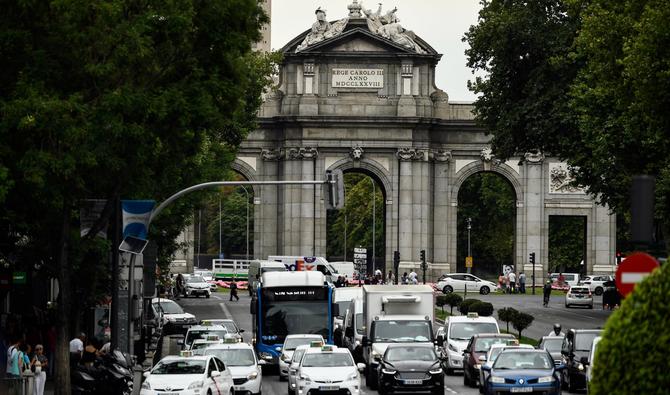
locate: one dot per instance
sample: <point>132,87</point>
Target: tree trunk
<point>62,375</point>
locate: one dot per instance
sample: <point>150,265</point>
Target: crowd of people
<point>377,278</point>
<point>23,360</point>
<point>512,283</point>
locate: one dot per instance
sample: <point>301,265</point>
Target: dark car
<point>553,344</point>
<point>410,368</point>
<point>523,370</point>
<point>475,354</point>
<point>575,351</point>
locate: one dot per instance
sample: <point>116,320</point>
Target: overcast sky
<point>441,23</point>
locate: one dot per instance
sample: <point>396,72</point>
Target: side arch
<point>477,167</point>
<point>247,172</point>
<point>369,165</point>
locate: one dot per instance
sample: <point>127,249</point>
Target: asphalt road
<point>218,306</point>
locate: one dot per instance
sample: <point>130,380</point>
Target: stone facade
<point>358,101</point>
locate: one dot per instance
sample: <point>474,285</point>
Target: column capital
<point>441,155</point>
<point>411,153</point>
<point>300,153</point>
<point>272,154</point>
<point>534,158</point>
<point>356,152</point>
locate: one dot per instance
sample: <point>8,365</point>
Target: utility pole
<point>469,220</point>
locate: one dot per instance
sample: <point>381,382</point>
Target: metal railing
<point>17,385</point>
<point>224,269</point>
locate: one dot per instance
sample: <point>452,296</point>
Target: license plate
<point>521,389</point>
<point>416,381</point>
<point>239,388</point>
<point>329,388</point>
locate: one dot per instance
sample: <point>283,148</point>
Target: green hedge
<point>464,307</point>
<point>632,357</point>
<point>484,309</point>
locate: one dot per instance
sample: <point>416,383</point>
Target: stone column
<point>405,156</point>
<point>420,205</point>
<point>268,228</point>
<point>533,208</point>
<point>603,259</point>
<point>298,205</point>
<point>441,159</point>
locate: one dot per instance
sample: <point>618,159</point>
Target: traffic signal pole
<point>532,260</point>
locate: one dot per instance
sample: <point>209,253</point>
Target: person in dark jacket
<point>233,291</point>
<point>546,290</point>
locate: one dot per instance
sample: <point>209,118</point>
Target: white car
<point>589,367</point>
<point>329,368</point>
<point>460,281</point>
<point>459,329</point>
<point>190,375</point>
<point>293,369</point>
<point>196,286</point>
<point>230,325</point>
<point>493,353</point>
<point>174,319</point>
<point>595,283</point>
<point>240,359</point>
<point>579,295</point>
<point>202,332</point>
<point>290,343</point>
<point>201,344</point>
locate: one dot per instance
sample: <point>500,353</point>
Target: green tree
<point>506,315</point>
<point>453,300</point>
<point>110,99</point>
<point>233,218</point>
<point>635,333</point>
<point>521,321</point>
<point>566,235</point>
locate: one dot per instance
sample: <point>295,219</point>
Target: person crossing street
<point>546,290</point>
<point>233,291</point>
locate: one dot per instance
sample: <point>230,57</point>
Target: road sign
<point>360,256</point>
<point>468,261</point>
<point>632,270</point>
<point>359,250</point>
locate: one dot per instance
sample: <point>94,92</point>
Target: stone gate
<point>359,94</point>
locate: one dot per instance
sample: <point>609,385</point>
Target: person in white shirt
<point>77,348</point>
<point>556,331</point>
<point>512,282</point>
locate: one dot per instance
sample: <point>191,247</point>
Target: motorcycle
<point>110,374</point>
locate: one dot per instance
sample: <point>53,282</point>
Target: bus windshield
<point>287,311</point>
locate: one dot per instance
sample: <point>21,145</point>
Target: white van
<point>571,279</point>
<point>300,263</point>
<point>345,269</point>
<point>256,268</point>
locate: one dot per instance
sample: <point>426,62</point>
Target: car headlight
<point>435,371</point>
<point>266,356</point>
<point>146,385</point>
<point>389,371</point>
<point>354,376</point>
<point>453,348</point>
<point>497,380</point>
<point>580,366</point>
<point>285,358</point>
<point>546,379</point>
<point>196,384</point>
<point>252,376</point>
<point>305,377</point>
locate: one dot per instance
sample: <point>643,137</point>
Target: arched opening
<point>487,206</point>
<point>567,244</point>
<point>361,223</point>
<point>224,224</point>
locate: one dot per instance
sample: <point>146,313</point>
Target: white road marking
<point>225,310</point>
<point>217,297</point>
<point>633,278</point>
<point>450,390</point>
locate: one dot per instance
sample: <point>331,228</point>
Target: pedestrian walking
<point>180,285</point>
<point>404,279</point>
<point>522,282</point>
<point>233,291</point>
<point>546,290</point>
<point>77,349</point>
<point>14,360</point>
<point>390,279</point>
<point>39,365</point>
<point>512,282</point>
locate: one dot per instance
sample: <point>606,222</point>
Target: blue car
<point>523,371</point>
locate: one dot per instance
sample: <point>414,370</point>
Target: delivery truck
<point>305,263</point>
<point>394,314</point>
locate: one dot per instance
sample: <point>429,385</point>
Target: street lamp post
<point>374,227</point>
<point>469,220</point>
<point>247,193</point>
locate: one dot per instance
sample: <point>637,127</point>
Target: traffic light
<point>532,257</point>
<point>618,257</point>
<point>396,257</point>
<point>334,189</point>
<point>423,255</point>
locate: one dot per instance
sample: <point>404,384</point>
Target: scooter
<point>110,374</point>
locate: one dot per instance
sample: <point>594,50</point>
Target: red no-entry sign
<point>633,270</point>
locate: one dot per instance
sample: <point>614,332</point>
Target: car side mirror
<point>584,360</point>
<point>360,366</point>
<point>377,357</point>
<point>146,374</point>
<point>560,367</point>
<point>486,368</point>
<point>482,358</point>
<point>215,373</point>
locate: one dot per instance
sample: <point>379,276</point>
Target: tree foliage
<point>110,99</point>
<point>566,236</point>
<point>506,315</point>
<point>635,333</point>
<point>521,321</point>
<point>453,300</point>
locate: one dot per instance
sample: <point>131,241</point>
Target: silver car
<point>293,369</point>
<point>579,295</point>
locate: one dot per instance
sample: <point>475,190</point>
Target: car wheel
<point>598,291</point>
<point>567,305</point>
<point>207,296</point>
<point>447,289</point>
<point>484,290</point>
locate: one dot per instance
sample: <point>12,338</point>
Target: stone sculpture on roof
<point>385,25</point>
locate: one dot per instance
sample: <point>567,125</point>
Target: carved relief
<point>409,153</point>
<point>534,157</point>
<point>356,153</point>
<point>302,153</point>
<point>441,155</point>
<point>560,179</point>
<point>486,154</point>
<point>271,154</point>
<point>322,29</point>
<point>388,26</point>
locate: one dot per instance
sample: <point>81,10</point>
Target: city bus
<point>287,303</point>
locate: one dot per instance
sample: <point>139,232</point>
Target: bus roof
<point>302,278</point>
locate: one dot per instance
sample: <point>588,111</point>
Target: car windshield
<point>484,344</point>
<point>327,360</point>
<point>233,357</point>
<point>195,279</point>
<point>293,342</point>
<point>180,366</point>
<point>583,341</point>
<point>523,360</point>
<point>359,323</point>
<point>297,355</point>
<point>552,345</point>
<point>202,334</point>
<point>401,331</point>
<point>410,354</point>
<point>465,330</point>
<point>169,307</point>
<point>343,306</point>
